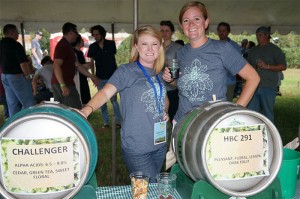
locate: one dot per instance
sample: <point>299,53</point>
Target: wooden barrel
<point>237,150</point>
<point>48,151</point>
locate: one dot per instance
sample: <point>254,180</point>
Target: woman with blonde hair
<point>143,103</point>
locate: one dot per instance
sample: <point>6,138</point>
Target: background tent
<point>243,15</point>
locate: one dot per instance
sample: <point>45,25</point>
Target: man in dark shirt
<point>15,71</point>
<point>102,52</point>
<point>64,66</point>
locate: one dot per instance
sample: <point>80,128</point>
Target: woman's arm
<point>252,80</point>
<point>101,97</point>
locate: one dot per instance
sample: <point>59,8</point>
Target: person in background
<point>84,85</point>
<point>179,41</point>
<point>41,82</point>
<point>239,80</point>
<point>167,29</point>
<point>3,99</point>
<point>36,51</point>
<point>102,53</point>
<point>30,65</point>
<point>16,78</point>
<point>143,103</point>
<point>250,45</point>
<point>269,61</point>
<point>64,67</point>
<point>204,64</point>
<point>223,32</point>
<point>243,47</point>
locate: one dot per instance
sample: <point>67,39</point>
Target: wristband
<point>62,85</point>
<point>90,107</point>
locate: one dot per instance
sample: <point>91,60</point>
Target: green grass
<point>287,107</point>
<point>287,117</point>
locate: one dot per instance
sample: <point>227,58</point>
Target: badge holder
<point>187,188</point>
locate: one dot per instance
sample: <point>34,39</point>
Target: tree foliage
<point>290,45</point>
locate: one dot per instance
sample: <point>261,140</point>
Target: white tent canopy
<point>243,15</point>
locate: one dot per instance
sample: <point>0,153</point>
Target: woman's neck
<point>198,43</point>
<point>145,64</point>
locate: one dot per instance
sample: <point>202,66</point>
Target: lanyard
<point>152,84</point>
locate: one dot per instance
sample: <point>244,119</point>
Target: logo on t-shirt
<point>148,97</point>
<point>195,81</point>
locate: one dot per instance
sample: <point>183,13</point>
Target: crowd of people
<point>149,96</point>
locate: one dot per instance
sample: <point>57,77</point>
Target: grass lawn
<point>287,118</point>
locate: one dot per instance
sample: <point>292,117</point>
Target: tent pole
<point>22,34</point>
<point>113,31</point>
<point>135,15</point>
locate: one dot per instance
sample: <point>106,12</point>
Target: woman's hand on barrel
<point>80,112</point>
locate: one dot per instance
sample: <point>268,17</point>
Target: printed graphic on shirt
<point>195,81</point>
<point>148,97</point>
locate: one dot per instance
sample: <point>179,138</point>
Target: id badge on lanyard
<point>160,132</point>
<point>160,128</point>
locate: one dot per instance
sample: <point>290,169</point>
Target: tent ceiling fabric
<point>243,15</point>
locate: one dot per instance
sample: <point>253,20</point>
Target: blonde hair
<point>191,4</point>
<point>147,30</point>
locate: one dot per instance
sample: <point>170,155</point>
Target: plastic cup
<point>139,184</point>
<point>166,183</point>
<point>173,66</point>
<point>289,172</point>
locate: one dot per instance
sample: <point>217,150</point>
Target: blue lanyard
<point>152,84</point>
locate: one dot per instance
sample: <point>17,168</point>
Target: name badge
<point>160,132</point>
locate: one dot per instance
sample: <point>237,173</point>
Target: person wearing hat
<point>36,51</point>
<point>269,61</point>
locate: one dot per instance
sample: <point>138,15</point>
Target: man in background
<point>36,51</point>
<point>269,61</point>
<point>223,32</point>
<point>16,78</point>
<point>64,68</point>
<point>102,53</point>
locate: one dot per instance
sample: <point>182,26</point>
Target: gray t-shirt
<point>46,73</point>
<point>204,73</point>
<point>138,107</point>
<point>35,44</point>
<point>172,49</point>
<point>270,54</point>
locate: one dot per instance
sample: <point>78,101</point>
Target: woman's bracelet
<point>90,107</point>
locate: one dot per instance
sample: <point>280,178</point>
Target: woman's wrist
<point>171,81</point>
<point>87,105</point>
